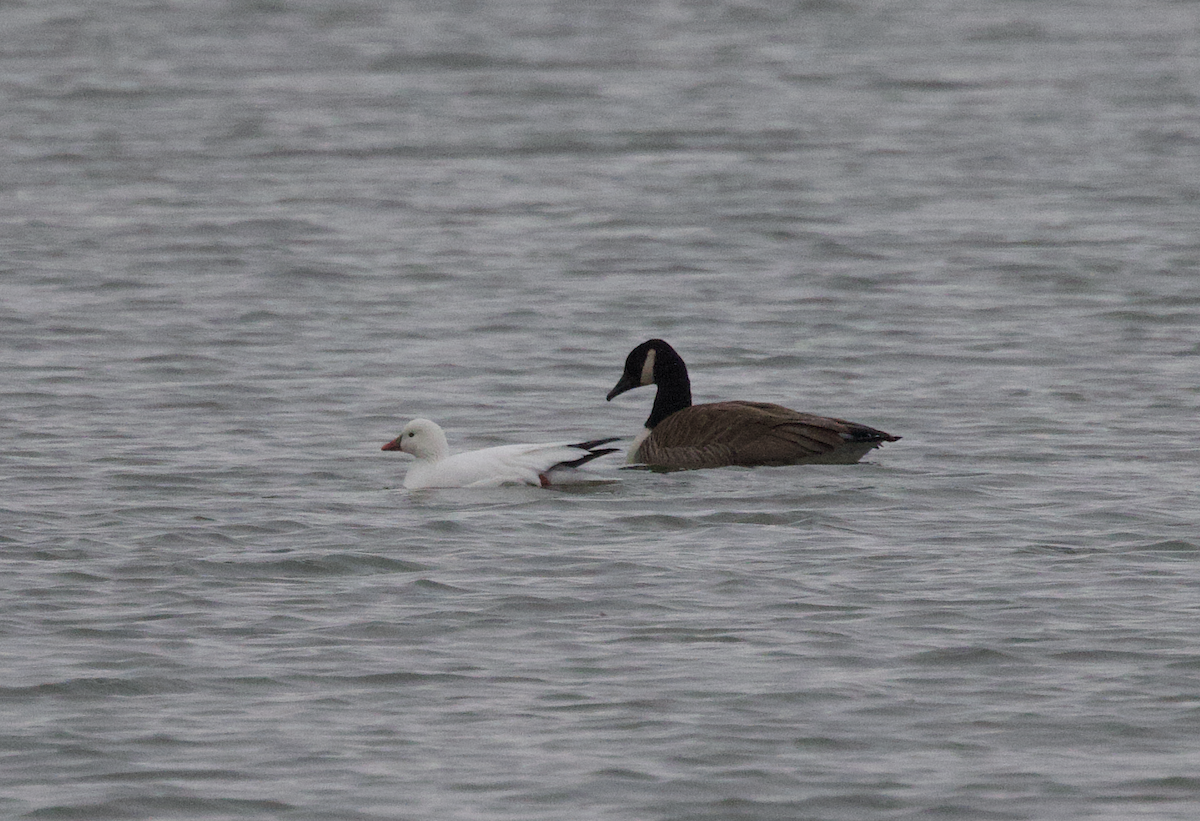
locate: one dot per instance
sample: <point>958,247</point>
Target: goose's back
<point>751,434</point>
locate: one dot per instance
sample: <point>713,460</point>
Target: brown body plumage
<point>680,435</point>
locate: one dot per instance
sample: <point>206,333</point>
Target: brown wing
<point>754,433</point>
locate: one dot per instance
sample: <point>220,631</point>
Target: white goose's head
<point>423,439</point>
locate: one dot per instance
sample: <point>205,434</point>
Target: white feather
<point>534,464</point>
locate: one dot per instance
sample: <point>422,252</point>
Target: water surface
<point>246,241</point>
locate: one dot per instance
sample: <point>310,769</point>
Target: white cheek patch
<point>648,368</point>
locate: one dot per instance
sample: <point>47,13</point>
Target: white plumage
<point>536,465</point>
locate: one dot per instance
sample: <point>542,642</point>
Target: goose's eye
<point>411,434</point>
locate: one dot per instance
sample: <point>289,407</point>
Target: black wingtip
<point>589,456</point>
<point>595,443</point>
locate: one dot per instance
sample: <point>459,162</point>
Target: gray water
<point>244,242</point>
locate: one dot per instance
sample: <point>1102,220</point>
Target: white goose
<point>508,464</point>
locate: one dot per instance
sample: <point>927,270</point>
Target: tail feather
<point>862,433</point>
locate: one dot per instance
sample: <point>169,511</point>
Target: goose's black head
<point>654,362</point>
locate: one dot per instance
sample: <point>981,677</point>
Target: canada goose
<point>681,435</point>
<point>507,464</point>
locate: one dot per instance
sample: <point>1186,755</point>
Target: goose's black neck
<point>674,387</point>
